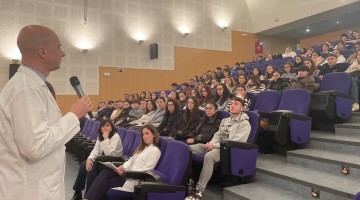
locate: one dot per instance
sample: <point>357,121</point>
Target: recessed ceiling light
<point>337,22</point>
<point>307,30</point>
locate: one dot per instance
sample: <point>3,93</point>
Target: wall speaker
<point>153,51</point>
<point>12,69</point>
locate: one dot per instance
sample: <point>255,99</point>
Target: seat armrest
<point>157,187</point>
<point>150,176</point>
<point>238,145</point>
<point>298,116</point>
<point>263,114</point>
<point>340,94</point>
<point>110,159</point>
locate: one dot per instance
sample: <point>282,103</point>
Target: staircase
<point>316,167</point>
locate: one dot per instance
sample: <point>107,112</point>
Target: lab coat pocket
<point>49,187</point>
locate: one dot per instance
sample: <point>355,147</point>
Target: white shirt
<point>33,135</point>
<point>109,147</point>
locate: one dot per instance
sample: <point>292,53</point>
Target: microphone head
<point>74,81</point>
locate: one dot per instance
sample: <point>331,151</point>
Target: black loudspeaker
<point>12,69</point>
<point>153,51</point>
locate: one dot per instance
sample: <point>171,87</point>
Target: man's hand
<point>190,141</point>
<point>209,146</point>
<point>81,107</point>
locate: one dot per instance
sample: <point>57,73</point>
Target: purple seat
<point>223,114</point>
<point>164,182</point>
<point>252,98</point>
<point>267,101</point>
<point>122,133</point>
<point>128,142</point>
<point>291,122</point>
<point>357,197</point>
<point>333,100</point>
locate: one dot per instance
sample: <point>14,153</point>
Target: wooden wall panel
<point>320,39</point>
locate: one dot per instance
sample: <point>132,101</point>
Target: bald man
<point>33,133</point>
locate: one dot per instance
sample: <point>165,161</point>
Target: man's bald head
<point>32,37</point>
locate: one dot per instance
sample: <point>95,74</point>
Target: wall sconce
<point>224,28</point>
<point>186,34</point>
<point>85,50</point>
<point>140,41</point>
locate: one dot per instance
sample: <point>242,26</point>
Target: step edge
<point>308,183</point>
<point>322,159</point>
<point>333,140</point>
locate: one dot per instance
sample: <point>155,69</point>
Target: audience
<point>303,80</point>
<point>235,128</point>
<point>277,83</point>
<point>108,143</point>
<point>145,158</point>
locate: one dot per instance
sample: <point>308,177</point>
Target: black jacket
<point>189,124</point>
<point>206,129</point>
<point>278,85</point>
<point>170,124</point>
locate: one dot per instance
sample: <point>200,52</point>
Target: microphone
<point>78,89</point>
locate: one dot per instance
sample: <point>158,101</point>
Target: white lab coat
<point>32,138</point>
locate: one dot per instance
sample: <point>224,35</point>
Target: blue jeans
<point>355,83</point>
<point>84,176</point>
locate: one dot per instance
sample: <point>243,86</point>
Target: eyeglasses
<point>209,108</point>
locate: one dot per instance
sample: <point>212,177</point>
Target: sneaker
<point>195,195</point>
<point>355,107</point>
<point>77,196</point>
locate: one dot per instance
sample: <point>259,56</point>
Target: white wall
<point>272,13</point>
<point>110,29</point>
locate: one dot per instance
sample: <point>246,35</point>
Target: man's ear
<point>42,52</point>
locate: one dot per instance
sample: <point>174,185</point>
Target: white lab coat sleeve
<point>36,136</point>
<point>96,150</point>
<point>109,146</point>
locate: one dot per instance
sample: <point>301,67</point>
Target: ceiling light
<point>307,29</point>
<point>337,22</point>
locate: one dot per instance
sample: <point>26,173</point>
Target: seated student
<point>298,62</point>
<point>317,58</point>
<point>269,72</point>
<point>106,112</point>
<point>254,85</point>
<point>118,108</point>
<point>145,158</point>
<point>330,66</point>
<point>172,119</point>
<point>148,96</point>
<point>124,113</point>
<point>182,99</point>
<point>313,70</point>
<point>108,143</point>
<point>154,96</point>
<point>151,107</point>
<point>234,128</point>
<point>303,80</point>
<point>242,94</point>
<point>241,80</point>
<point>156,118</point>
<point>222,97</point>
<point>230,84</point>
<point>277,83</point>
<point>288,53</point>
<point>205,96</point>
<point>288,70</point>
<point>257,72</point>
<point>208,126</point>
<point>135,113</point>
<point>191,118</point>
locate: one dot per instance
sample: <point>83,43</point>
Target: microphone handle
<point>80,93</point>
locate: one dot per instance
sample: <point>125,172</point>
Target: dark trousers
<point>84,176</point>
<point>107,179</point>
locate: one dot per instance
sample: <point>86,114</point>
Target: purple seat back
<point>93,133</point>
<point>128,142</point>
<point>175,162</point>
<point>331,82</point>
<point>223,114</point>
<point>252,98</point>
<point>254,122</point>
<point>357,197</point>
<point>163,144</point>
<point>267,101</point>
<point>86,127</point>
<point>137,142</point>
<point>122,133</point>
<point>297,101</point>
